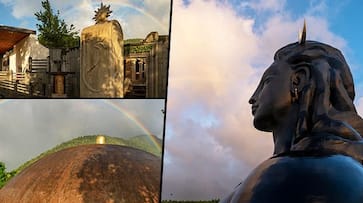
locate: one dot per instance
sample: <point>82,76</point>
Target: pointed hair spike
<point>302,35</point>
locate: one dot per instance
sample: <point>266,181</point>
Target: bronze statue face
<point>307,90</point>
<point>272,98</point>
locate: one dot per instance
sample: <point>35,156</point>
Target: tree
<point>2,174</point>
<point>54,32</point>
<point>5,176</point>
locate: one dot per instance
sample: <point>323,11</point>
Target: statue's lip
<point>254,108</point>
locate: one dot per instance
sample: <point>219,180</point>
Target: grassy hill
<point>140,142</point>
<point>143,142</point>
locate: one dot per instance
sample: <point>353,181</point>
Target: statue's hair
<point>326,103</point>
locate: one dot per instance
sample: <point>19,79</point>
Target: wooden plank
<point>38,69</point>
<point>39,64</point>
<point>39,59</point>
<point>7,86</point>
<point>35,62</point>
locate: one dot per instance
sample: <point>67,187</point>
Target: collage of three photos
<point>152,101</point>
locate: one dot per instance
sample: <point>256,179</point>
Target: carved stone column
<point>102,67</point>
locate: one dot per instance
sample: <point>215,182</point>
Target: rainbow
<point>116,106</point>
<point>94,4</point>
<point>140,10</point>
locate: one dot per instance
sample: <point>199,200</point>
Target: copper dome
<point>88,173</point>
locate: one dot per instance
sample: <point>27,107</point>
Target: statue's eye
<point>267,80</point>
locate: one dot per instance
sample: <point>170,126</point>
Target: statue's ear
<point>300,77</point>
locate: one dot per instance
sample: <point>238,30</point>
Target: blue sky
<point>344,20</point>
<point>219,50</point>
<point>153,15</point>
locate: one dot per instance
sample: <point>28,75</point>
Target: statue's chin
<point>263,124</point>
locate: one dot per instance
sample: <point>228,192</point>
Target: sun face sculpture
<point>102,14</point>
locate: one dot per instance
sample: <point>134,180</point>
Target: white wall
<point>12,61</point>
<point>28,47</point>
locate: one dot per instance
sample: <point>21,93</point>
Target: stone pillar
<point>59,84</point>
<point>102,67</point>
<point>147,79</point>
<point>134,72</point>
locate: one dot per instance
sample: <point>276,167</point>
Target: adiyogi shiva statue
<point>305,98</point>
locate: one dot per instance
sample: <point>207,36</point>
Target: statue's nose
<point>252,100</point>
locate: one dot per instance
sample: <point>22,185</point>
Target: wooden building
<point>28,69</point>
<point>146,64</point>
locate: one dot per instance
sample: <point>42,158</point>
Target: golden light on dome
<point>100,139</point>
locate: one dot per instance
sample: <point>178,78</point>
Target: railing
<point>18,76</point>
<point>16,84</point>
<point>17,87</point>
<point>4,75</point>
<point>38,65</point>
<point>41,75</point>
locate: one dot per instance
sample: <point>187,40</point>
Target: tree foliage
<point>2,174</point>
<point>54,32</point>
<point>5,176</point>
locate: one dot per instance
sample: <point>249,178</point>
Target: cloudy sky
<point>137,17</point>
<point>30,127</point>
<point>219,49</point>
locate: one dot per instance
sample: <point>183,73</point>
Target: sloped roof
<point>9,36</point>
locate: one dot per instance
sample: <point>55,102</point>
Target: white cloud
<point>160,9</point>
<point>359,106</point>
<point>216,62</point>
<point>80,15</point>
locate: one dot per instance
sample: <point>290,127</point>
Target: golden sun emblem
<point>102,14</point>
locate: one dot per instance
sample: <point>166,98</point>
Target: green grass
<point>143,142</point>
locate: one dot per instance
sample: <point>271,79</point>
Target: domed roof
<point>88,173</point>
